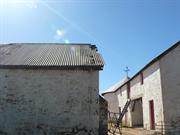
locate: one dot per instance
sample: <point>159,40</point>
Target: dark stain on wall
<point>103,115</point>
<point>3,133</point>
<point>43,129</point>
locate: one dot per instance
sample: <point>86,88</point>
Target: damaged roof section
<point>58,56</point>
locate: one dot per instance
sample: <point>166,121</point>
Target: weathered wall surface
<point>112,100</point>
<point>103,116</point>
<point>49,102</point>
<point>170,74</point>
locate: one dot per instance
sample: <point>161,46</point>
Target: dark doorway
<point>137,113</point>
<point>151,109</point>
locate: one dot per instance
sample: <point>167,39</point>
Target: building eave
<point>34,67</point>
<point>154,60</point>
<point>146,66</point>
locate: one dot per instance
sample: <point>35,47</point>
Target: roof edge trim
<point>34,67</point>
<point>147,65</point>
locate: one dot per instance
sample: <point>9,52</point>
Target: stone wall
<point>49,102</point>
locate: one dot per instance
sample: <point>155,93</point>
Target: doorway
<point>137,113</point>
<point>151,112</point>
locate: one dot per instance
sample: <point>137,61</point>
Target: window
<point>142,78</point>
<point>128,90</point>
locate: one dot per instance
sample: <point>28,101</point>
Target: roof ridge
<point>149,63</point>
<point>47,44</point>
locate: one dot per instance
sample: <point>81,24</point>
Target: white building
<point>111,96</point>
<point>49,89</point>
<point>154,92</point>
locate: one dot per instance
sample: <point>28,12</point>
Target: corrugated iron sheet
<point>49,55</point>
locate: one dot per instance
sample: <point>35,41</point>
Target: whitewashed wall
<point>38,102</point>
<point>150,90</point>
<point>122,99</point>
<point>170,74</point>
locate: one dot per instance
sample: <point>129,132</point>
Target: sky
<point>127,32</point>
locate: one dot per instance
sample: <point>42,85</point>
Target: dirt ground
<point>133,131</point>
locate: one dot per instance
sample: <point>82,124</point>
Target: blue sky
<point>126,32</point>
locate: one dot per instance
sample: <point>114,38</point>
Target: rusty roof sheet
<point>50,55</point>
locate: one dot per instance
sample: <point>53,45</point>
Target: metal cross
<point>127,70</point>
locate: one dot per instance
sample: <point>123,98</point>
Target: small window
<point>142,78</point>
<point>128,90</point>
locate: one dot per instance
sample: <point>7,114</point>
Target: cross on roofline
<point>127,71</point>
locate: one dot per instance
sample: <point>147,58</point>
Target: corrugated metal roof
<point>57,55</point>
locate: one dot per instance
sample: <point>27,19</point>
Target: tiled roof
<point>50,55</point>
